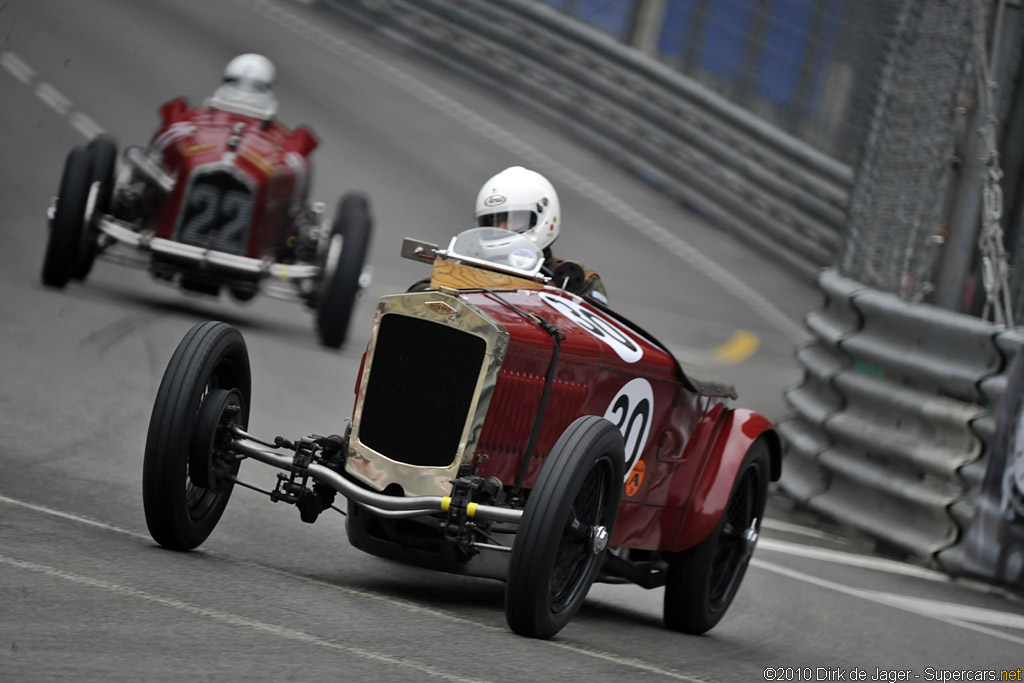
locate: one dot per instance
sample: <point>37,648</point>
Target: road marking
<point>900,602</point>
<point>779,525</point>
<point>333,44</point>
<point>850,559</point>
<point>84,125</point>
<point>57,102</point>
<point>741,346</point>
<point>232,619</point>
<point>17,68</point>
<point>53,98</point>
<point>356,592</point>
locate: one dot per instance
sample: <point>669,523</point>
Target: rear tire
<point>553,561</point>
<point>211,364</point>
<point>103,151</point>
<point>342,266</point>
<point>703,580</point>
<point>64,248</point>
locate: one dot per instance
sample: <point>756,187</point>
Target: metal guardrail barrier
<point>894,419</point>
<point>773,190</point>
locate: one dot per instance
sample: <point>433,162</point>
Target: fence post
<point>647,28</point>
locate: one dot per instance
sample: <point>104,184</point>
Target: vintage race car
<point>502,428</point>
<point>218,200</point>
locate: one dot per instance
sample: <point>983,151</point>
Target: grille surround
<point>380,470</point>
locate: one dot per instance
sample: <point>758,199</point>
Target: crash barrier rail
<point>745,175</point>
<point>894,418</point>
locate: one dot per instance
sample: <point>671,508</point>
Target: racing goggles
<point>517,221</point>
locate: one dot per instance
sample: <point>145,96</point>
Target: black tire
<point>179,513</point>
<point>553,562</point>
<point>103,150</point>
<point>340,284</point>
<point>64,248</point>
<point>703,580</point>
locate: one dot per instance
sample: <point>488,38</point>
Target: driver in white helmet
<point>524,201</point>
<point>247,87</point>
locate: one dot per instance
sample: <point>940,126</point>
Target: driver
<point>523,201</point>
<point>247,87</point>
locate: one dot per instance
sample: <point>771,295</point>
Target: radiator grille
<point>420,389</point>
<point>217,213</point>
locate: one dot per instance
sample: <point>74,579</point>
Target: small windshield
<point>503,248</point>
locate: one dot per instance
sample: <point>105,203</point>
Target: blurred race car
<point>218,200</point>
<point>502,428</point>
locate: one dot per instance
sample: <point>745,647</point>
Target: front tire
<point>210,365</point>
<point>343,265</point>
<point>103,152</point>
<point>568,520</point>
<point>703,580</point>
<point>64,248</point>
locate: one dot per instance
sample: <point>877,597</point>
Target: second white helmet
<point>250,72</point>
<point>521,200</point>
<point>247,87</point>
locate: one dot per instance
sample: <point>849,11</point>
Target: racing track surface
<point>86,595</point>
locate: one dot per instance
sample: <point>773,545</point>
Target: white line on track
<point>789,527</point>
<point>17,68</point>
<point>232,619</point>
<point>318,35</point>
<point>355,592</point>
<point>53,98</point>
<point>850,559</point>
<point>932,609</point>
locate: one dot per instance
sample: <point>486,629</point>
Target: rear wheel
<point>568,520</point>
<point>342,267</point>
<point>703,580</point>
<point>186,477</point>
<point>103,152</point>
<point>64,248</point>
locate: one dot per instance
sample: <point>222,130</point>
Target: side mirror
<point>417,250</point>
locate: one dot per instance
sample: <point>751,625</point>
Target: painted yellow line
<point>741,346</point>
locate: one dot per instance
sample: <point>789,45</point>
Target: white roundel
<point>631,411</point>
<point>624,346</point>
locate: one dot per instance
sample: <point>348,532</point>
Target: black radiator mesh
<point>419,390</point>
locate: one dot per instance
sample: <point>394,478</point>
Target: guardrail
<point>746,176</point>
<point>894,420</point>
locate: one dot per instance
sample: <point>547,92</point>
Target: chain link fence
<point>897,211</point>
<point>900,91</point>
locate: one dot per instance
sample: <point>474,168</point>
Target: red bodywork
<point>682,452</point>
<point>270,158</point>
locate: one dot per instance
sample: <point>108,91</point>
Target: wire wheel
<point>703,580</point>
<point>569,517</point>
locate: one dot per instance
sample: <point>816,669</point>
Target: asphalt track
<point>86,595</point>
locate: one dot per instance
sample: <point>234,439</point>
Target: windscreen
<point>503,248</point>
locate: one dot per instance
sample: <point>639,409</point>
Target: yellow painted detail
<point>445,503</point>
<point>471,509</point>
<point>284,271</point>
<point>256,159</point>
<point>196,149</point>
<point>741,346</point>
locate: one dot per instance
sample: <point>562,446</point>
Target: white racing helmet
<point>247,87</point>
<point>521,200</point>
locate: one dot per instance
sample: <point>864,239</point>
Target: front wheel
<point>64,250</point>
<point>103,155</point>
<point>342,267</point>
<point>186,475</point>
<point>703,580</point>
<point>568,520</point>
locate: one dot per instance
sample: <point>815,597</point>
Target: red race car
<point>218,200</point>
<point>502,428</point>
